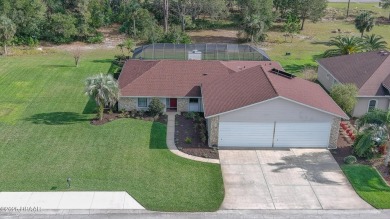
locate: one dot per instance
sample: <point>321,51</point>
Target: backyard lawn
<point>46,137</point>
<point>369,185</point>
<point>309,44</point>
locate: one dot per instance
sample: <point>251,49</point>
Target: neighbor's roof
<point>258,84</point>
<point>367,70</point>
<point>225,86</point>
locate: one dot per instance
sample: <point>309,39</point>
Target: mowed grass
<point>369,185</point>
<point>310,44</point>
<point>46,137</point>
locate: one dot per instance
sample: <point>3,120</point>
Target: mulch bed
<point>344,148</point>
<point>185,128</point>
<point>111,116</point>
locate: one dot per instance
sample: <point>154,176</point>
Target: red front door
<point>173,102</point>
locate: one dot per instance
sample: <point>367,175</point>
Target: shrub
<point>189,115</point>
<point>156,107</point>
<point>350,159</point>
<point>98,38</point>
<point>364,145</point>
<point>188,140</point>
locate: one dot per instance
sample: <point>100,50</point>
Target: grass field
<point>46,137</point>
<point>369,185</point>
<point>310,43</point>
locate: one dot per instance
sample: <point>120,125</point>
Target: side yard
<point>46,136</point>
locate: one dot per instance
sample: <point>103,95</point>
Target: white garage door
<point>302,134</point>
<point>236,134</point>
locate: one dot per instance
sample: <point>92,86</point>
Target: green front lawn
<point>368,184</point>
<point>46,137</point>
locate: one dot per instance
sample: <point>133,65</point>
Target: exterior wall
<point>183,104</point>
<point>131,103</point>
<point>325,78</point>
<point>277,110</point>
<point>361,107</point>
<point>212,128</point>
<point>283,111</point>
<point>127,103</point>
<point>334,133</point>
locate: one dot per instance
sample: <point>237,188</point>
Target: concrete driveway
<point>285,179</point>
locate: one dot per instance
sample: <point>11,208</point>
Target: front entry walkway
<point>12,201</point>
<point>171,142</point>
<point>285,179</point>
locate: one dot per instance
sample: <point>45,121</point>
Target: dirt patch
<point>214,36</point>
<point>184,128</point>
<point>112,37</point>
<point>111,116</point>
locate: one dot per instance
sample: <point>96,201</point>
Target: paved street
<point>225,214</point>
<point>285,179</point>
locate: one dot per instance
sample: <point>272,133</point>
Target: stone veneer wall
<point>127,103</point>
<point>183,104</point>
<point>213,126</point>
<point>334,133</point>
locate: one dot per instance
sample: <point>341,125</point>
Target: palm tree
<point>104,90</point>
<point>376,124</point>
<point>364,22</point>
<point>374,42</point>
<point>386,5</point>
<point>345,45</point>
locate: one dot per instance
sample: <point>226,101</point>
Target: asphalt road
<point>224,214</point>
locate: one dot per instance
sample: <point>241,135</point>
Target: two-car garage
<point>278,123</point>
<point>276,134</point>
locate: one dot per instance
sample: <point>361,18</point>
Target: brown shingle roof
<point>225,85</point>
<point>258,84</point>
<point>362,69</point>
<point>236,90</point>
<point>168,78</point>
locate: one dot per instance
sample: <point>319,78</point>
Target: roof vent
<point>204,74</point>
<point>282,73</point>
<point>385,54</point>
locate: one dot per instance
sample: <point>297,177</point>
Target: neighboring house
<point>246,103</point>
<point>369,71</point>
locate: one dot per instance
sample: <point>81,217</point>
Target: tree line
<point>63,21</point>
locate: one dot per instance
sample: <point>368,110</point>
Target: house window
<point>194,100</point>
<point>142,102</point>
<point>372,105</point>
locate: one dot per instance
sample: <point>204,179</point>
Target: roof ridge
<point>376,70</point>
<point>269,80</point>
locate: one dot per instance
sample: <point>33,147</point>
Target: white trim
<point>388,96</point>
<point>240,108</point>
<point>376,104</point>
<point>347,118</point>
<point>138,106</point>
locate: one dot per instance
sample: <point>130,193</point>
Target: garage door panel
<point>302,134</point>
<point>245,134</point>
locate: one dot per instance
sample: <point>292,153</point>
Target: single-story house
<point>369,71</point>
<point>247,104</point>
